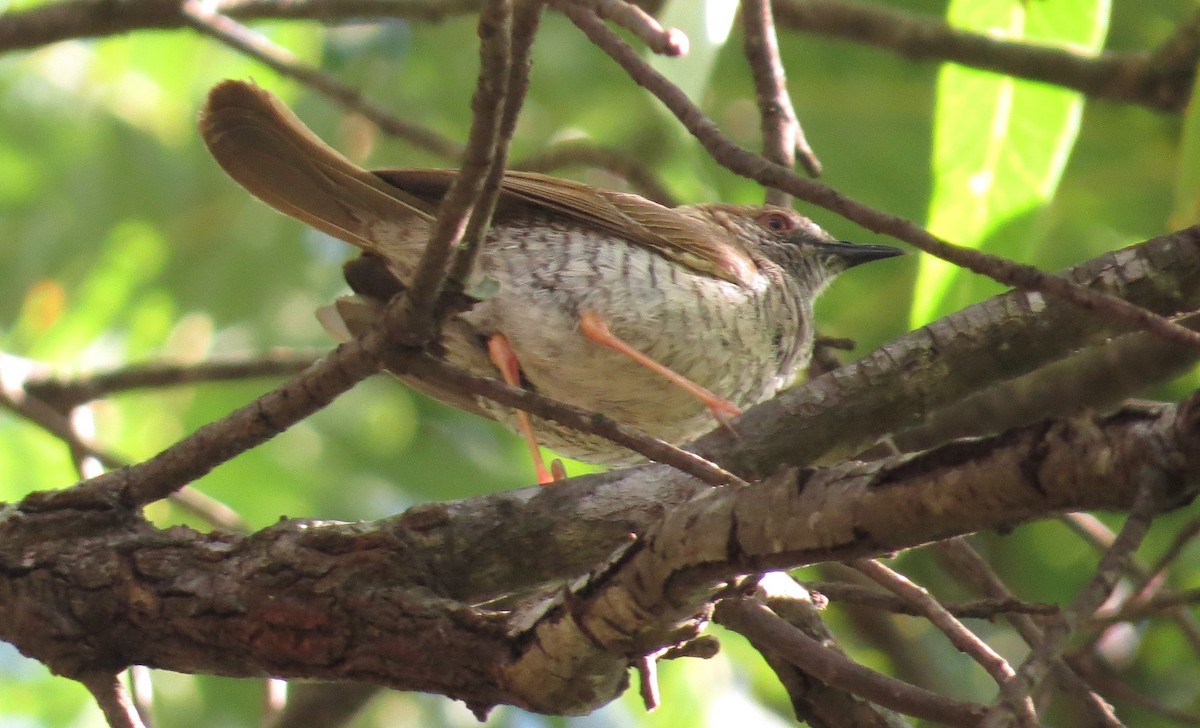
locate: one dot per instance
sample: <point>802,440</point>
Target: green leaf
<point>1000,144</point>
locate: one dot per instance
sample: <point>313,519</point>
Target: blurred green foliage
<point>122,241</point>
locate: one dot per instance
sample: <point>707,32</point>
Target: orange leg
<point>505,359</point>
<point>594,328</point>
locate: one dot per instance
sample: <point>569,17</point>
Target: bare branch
<point>113,700</point>
<point>965,563</point>
<point>1128,77</point>
<point>67,393</point>
<point>962,638</point>
<point>1148,504</point>
<point>664,41</point>
<point>783,138</point>
<point>764,628</point>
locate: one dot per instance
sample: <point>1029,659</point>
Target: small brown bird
<point>657,317</point>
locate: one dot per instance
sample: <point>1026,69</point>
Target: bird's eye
<point>776,221</point>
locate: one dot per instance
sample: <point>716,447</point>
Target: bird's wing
<point>703,246</point>
<point>266,149</point>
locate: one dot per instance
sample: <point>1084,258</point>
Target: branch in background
<point>1162,80</point>
<point>45,24</point>
<point>1148,503</point>
<point>217,442</point>
<point>65,393</point>
<point>1100,537</point>
<point>766,631</point>
<point>199,15</point>
<point>783,138</point>
<point>752,166</point>
<point>962,638</point>
<point>964,563</point>
<point>1118,689</point>
<point>664,41</point>
<point>52,419</point>
<point>850,593</point>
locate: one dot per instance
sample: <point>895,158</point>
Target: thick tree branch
<point>378,603</point>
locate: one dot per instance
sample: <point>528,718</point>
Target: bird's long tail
<point>269,151</point>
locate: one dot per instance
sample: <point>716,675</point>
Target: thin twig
<point>524,27</point>
<point>414,319</point>
<point>281,60</point>
<point>1098,535</point>
<point>438,371</point>
<point>1115,560</point>
<point>962,638</point>
<point>1132,77</point>
<point>1119,690</point>
<point>783,137</point>
<point>752,166</point>
<point>1182,539</point>
<point>239,431</point>
<point>113,700</point>
<point>1136,610</point>
<point>65,393</point>
<point>760,625</point>
<point>664,41</point>
<point>848,593</point>
<point>965,563</point>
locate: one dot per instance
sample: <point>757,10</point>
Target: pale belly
<point>713,332</point>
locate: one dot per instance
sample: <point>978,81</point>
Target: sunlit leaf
<point>1000,144</point>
